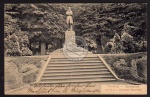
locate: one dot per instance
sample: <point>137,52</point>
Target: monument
<point>70,31</point>
<point>69,14</point>
<point>70,48</point>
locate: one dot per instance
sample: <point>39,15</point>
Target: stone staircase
<point>62,70</point>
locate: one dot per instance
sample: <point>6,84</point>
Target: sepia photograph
<point>75,48</point>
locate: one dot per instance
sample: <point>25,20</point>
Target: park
<point>102,43</point>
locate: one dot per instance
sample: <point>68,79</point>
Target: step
<point>70,62</point>
<point>77,80</point>
<point>75,77</point>
<point>81,61</point>
<point>96,57</point>
<point>76,73</point>
<point>76,70</point>
<point>66,59</point>
<point>74,67</point>
<point>63,56</point>
<point>78,64</point>
<point>59,53</point>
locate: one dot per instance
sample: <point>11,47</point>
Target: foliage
<point>27,67</point>
<point>91,44</point>
<point>109,47</point>
<point>13,79</point>
<point>8,52</point>
<point>127,43</point>
<point>30,76</point>
<point>110,18</point>
<point>46,22</point>
<point>24,40</point>
<point>127,38</point>
<point>41,22</point>
<point>15,47</point>
<point>21,70</point>
<point>29,73</point>
<point>26,51</point>
<point>128,70</point>
<point>27,60</point>
<point>142,67</point>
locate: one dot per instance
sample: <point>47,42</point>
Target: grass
<point>122,71</point>
<point>22,70</point>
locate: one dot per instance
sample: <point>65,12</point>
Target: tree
<point>25,46</point>
<point>39,21</point>
<point>14,50</point>
<point>103,19</point>
<point>127,43</point>
<point>46,22</point>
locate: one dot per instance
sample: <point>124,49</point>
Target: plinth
<point>68,35</point>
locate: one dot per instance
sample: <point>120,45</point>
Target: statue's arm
<point>66,12</point>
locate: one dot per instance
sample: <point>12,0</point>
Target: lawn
<point>22,70</point>
<point>132,72</point>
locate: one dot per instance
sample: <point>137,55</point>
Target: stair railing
<point>43,69</point>
<point>109,68</point>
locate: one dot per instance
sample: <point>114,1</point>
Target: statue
<point>69,14</point>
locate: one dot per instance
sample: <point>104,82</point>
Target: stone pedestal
<point>70,36</point>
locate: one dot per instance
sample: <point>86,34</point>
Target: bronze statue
<point>69,14</point>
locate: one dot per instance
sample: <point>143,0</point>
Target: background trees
<point>105,19</point>
<point>14,47</point>
<point>37,23</point>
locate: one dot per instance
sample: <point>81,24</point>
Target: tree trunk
<point>39,50</point>
<point>30,45</point>
<point>46,46</point>
<point>43,46</point>
<point>99,46</point>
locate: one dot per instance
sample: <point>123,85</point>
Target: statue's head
<point>69,8</point>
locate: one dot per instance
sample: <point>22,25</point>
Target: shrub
<point>122,69</point>
<point>109,47</point>
<point>8,52</point>
<point>15,47</point>
<point>117,37</point>
<point>14,38</point>
<point>134,72</point>
<point>25,40</point>
<point>16,52</point>
<point>142,67</point>
<point>30,76</point>
<point>13,78</point>
<point>143,45</point>
<point>119,48</point>
<point>127,43</point>
<point>127,69</point>
<point>27,60</point>
<point>139,70</point>
<point>137,46</point>
<point>29,72</point>
<point>26,51</point>
<point>127,38</point>
<point>27,67</point>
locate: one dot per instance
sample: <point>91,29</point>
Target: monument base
<point>70,48</point>
<point>70,36</point>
